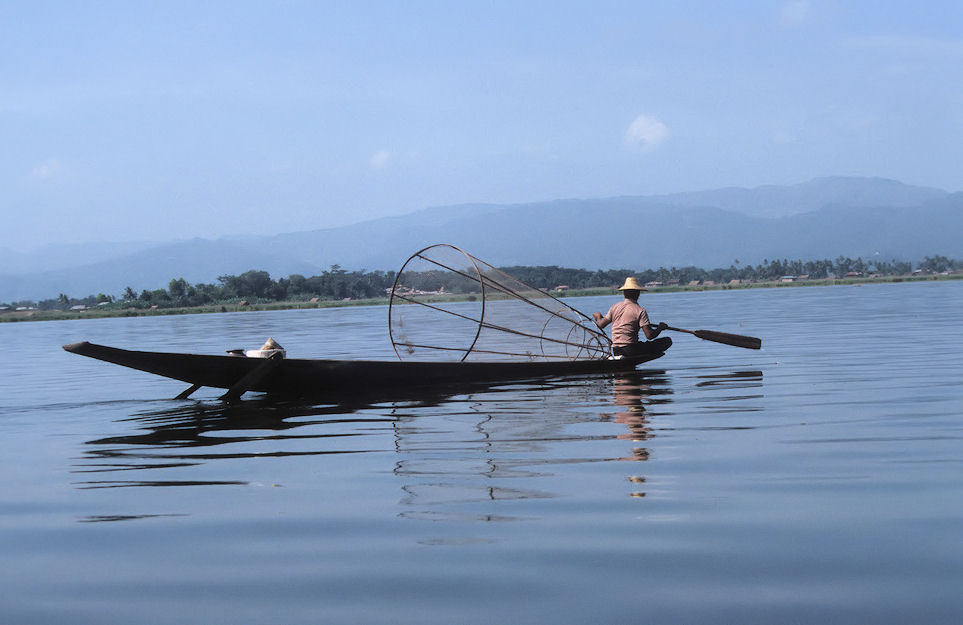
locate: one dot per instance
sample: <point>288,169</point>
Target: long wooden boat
<point>305,377</point>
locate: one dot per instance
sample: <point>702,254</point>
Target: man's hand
<point>598,318</point>
<point>655,330</point>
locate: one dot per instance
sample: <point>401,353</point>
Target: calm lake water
<point>819,480</point>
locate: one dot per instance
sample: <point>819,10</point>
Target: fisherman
<point>627,318</point>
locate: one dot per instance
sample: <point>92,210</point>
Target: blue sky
<point>161,120</point>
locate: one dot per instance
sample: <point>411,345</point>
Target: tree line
<point>768,270</point>
<point>339,284</point>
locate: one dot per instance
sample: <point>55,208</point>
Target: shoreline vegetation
<point>256,291</point>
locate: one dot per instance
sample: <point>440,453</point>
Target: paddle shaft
<point>736,340</point>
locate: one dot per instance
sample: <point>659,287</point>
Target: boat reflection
<point>193,433</point>
<point>457,451</point>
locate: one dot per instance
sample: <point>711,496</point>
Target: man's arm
<point>601,321</point>
<point>652,331</point>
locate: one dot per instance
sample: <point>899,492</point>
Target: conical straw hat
<point>631,285</point>
<point>270,344</point>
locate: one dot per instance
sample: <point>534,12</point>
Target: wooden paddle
<point>737,340</point>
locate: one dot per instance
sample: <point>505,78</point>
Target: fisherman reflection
<point>629,392</point>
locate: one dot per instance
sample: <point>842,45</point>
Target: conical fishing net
<point>448,305</point>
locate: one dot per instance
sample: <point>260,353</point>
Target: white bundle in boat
<point>267,350</point>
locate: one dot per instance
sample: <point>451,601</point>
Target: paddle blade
<point>736,340</point>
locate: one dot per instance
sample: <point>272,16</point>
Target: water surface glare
<point>819,480</point>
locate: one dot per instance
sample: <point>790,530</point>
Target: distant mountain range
<point>823,218</point>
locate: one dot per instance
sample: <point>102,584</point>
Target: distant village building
<point>78,307</point>
<point>693,283</point>
<point>654,283</point>
<point>735,281</point>
<point>561,288</point>
<point>787,279</point>
<point>854,274</point>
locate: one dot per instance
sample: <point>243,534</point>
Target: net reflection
<point>465,463</point>
<point>477,450</point>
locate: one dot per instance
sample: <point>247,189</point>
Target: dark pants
<point>655,346</point>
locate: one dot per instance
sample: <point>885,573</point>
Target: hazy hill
<point>669,230</point>
<point>197,260</point>
<point>51,257</point>
<point>783,201</point>
<point>823,218</point>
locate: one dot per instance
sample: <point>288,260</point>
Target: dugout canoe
<point>309,377</point>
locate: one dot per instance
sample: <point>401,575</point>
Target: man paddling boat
<point>627,318</point>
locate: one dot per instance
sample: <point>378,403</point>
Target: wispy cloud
<point>50,169</point>
<point>784,137</point>
<point>379,160</point>
<point>927,46</point>
<point>795,13</point>
<point>646,133</point>
<point>539,151</point>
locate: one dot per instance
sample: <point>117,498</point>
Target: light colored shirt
<point>626,317</point>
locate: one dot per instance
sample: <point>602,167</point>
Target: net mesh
<point>448,305</point>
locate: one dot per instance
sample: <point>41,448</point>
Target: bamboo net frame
<point>485,313</point>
